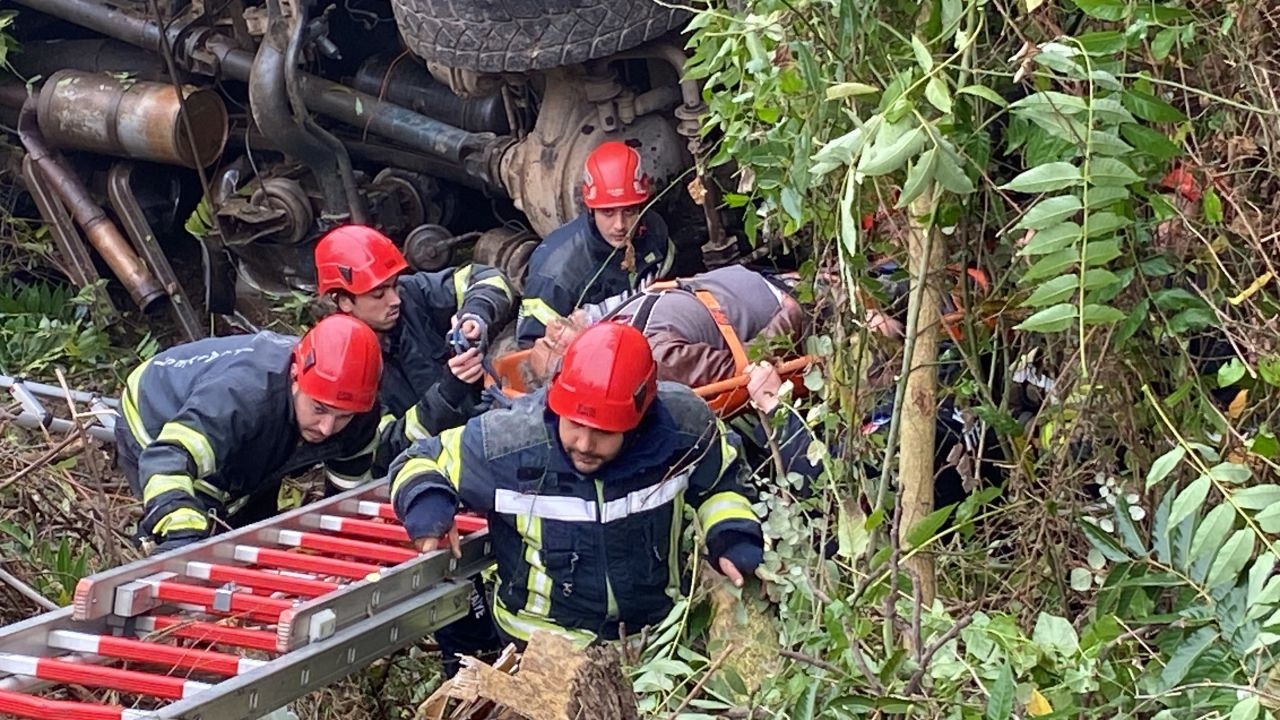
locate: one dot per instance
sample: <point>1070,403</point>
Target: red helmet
<point>607,380</point>
<point>357,259</point>
<point>613,177</point>
<point>338,363</point>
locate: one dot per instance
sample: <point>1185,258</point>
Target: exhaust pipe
<point>102,233</point>
<point>140,120</point>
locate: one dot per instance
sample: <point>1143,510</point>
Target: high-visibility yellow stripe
<point>538,310</point>
<point>522,626</point>
<point>728,453</point>
<point>461,279</point>
<point>448,463</point>
<point>498,282</point>
<point>195,443</point>
<point>413,427</point>
<point>181,519</point>
<point>411,469</point>
<point>384,421</point>
<point>206,488</point>
<point>724,506</point>
<point>673,548</point>
<point>346,482</point>
<point>539,584</point>
<point>158,485</point>
<point>129,405</point>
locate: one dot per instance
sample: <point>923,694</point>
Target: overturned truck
<point>459,127</point>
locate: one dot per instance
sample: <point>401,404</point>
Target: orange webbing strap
<point>726,330</point>
<point>661,285</point>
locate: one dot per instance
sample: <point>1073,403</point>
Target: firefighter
<point>583,486</point>
<point>427,385</point>
<point>211,427</point>
<point>605,253</point>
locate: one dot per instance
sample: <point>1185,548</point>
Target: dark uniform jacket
<point>211,423</point>
<point>419,396</point>
<point>575,267</point>
<point>578,555</point>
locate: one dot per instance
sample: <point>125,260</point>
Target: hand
<point>763,385</point>
<point>466,367</point>
<point>730,571</point>
<point>472,329</point>
<point>430,544</point>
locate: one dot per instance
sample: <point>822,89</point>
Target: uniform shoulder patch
<point>514,429</point>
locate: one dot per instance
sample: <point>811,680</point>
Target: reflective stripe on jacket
<point>576,554</point>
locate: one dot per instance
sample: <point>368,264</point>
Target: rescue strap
<point>640,320</point>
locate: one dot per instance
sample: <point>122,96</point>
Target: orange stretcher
<point>727,398</point>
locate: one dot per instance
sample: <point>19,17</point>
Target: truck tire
<point>494,36</point>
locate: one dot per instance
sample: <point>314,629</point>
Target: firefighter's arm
<point>356,467</point>
<point>544,301</point>
<point>190,448</point>
<point>430,478</point>
<point>732,530</point>
<point>485,295</point>
<point>692,363</point>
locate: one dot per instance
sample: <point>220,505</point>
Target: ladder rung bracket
<point>367,551</point>
<point>129,681</point>
<point>305,562</point>
<point>210,632</point>
<point>395,585</point>
<point>153,653</point>
<point>259,579</point>
<point>39,708</point>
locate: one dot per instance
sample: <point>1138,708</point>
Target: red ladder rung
<point>129,681</point>
<point>466,523</point>
<point>240,602</point>
<point>208,632</point>
<point>39,708</point>
<point>259,579</point>
<point>152,653</point>
<point>364,528</point>
<point>345,546</point>
<point>304,562</point>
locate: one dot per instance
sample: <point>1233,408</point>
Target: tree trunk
<point>925,255</point>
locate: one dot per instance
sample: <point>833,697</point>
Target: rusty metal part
<point>75,254</point>
<point>287,196</point>
<point>404,80</point>
<point>140,120</point>
<point>430,247</point>
<point>101,232</point>
<point>507,249</point>
<point>543,171</point>
<point>125,203</point>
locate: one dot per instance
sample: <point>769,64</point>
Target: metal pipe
<point>405,81</point>
<point>101,232</point>
<point>139,120</point>
<point>102,18</point>
<point>269,102</point>
<point>355,201</point>
<point>44,58</point>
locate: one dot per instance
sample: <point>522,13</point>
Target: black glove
<point>175,540</point>
<point>429,515</point>
<point>744,550</point>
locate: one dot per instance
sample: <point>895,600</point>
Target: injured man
<point>697,327</point>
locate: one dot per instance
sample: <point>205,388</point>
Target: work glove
<point>744,550</point>
<point>177,539</point>
<point>429,515</point>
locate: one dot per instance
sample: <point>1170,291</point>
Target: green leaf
<point>1109,171</point>
<point>1050,101</point>
<point>1051,265</point>
<point>1097,277</point>
<point>1104,223</point>
<point>1052,319</point>
<point>1269,519</point>
<point>1126,528</point>
<point>1162,44</point>
<point>1164,465</point>
<point>935,91</point>
<point>1101,197</point>
<point>1230,373</point>
<point>880,161</point>
<point>1050,211</point>
<point>1102,251</point>
<point>1105,143</point>
<point>1234,555</point>
<point>1103,9</point>
<point>924,530</point>
<point>1258,576</point>
<point>1258,497</point>
<point>848,89</point>
<point>1101,315</point>
<point>1211,532</point>
<point>918,177</point>
<point>1150,142</point>
<point>1212,207</point>
<point>1053,291</point>
<point>1150,107</point>
<point>1053,633</point>
<point>985,93</point>
<point>1189,500</point>
<point>924,58</point>
<point>1000,694</point>
<point>1232,473</point>
<point>1137,318</point>
<point>791,203</point>
<point>1247,708</point>
<point>1110,110</point>
<point>951,177</point>
<point>1045,178</point>
<point>1104,543</point>
<point>1053,239</point>
<point>1185,656</point>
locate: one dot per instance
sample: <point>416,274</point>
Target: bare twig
<point>40,462</point>
<point>702,681</point>
<point>913,686</point>
<point>100,496</point>
<point>810,660</point>
<point>26,590</point>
